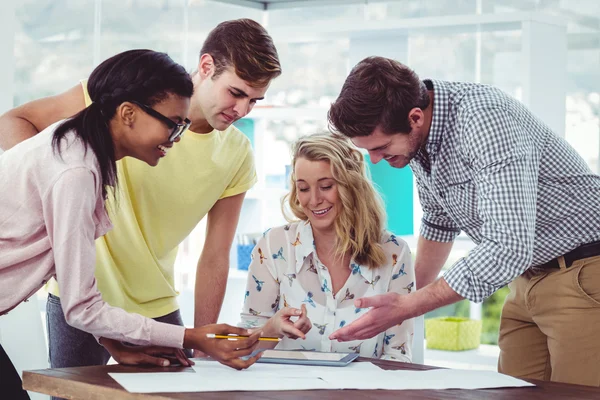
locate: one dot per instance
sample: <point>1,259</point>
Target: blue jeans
<point>11,386</point>
<point>71,347</point>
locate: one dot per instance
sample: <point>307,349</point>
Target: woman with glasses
<point>176,128</point>
<point>53,189</point>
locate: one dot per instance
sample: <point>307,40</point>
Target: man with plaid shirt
<point>485,165</point>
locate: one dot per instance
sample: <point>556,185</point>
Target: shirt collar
<point>441,108</point>
<point>305,246</point>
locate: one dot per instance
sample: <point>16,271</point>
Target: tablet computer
<point>302,357</point>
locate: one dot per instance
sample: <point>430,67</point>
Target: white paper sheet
<point>432,379</point>
<point>165,382</point>
<point>281,371</point>
<point>210,376</point>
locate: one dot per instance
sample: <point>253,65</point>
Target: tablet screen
<point>304,355</point>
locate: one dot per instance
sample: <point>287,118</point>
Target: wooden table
<point>95,383</point>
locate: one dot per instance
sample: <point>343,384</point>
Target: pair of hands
<point>144,355</point>
<point>227,352</point>
<point>392,309</point>
<point>281,324</point>
<point>386,311</point>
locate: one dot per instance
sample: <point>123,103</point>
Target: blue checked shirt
<point>492,169</point>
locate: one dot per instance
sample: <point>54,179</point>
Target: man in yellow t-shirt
<point>207,173</point>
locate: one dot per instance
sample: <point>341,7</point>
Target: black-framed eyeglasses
<point>176,128</point>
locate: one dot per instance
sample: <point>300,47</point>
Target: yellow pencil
<point>236,337</point>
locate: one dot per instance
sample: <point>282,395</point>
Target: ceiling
<point>279,4</point>
<point>589,20</point>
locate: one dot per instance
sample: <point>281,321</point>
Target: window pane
<point>148,24</point>
<point>313,73</point>
<point>53,46</point>
<point>583,102</point>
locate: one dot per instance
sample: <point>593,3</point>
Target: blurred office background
<point>545,53</point>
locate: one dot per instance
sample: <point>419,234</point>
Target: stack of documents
<point>210,376</point>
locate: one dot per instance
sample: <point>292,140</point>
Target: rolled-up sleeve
<point>505,164</point>
<point>436,224</point>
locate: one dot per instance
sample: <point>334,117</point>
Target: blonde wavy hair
<point>359,225</point>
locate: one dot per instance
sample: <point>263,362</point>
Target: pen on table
<point>236,337</point>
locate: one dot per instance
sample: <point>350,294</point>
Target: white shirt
<point>286,271</point>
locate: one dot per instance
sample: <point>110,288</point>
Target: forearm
<point>14,130</point>
<point>431,257</point>
<point>436,295</point>
<point>211,282</point>
<point>264,344</point>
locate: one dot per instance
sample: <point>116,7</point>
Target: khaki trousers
<point>550,326</point>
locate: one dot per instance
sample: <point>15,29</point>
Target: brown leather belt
<point>583,251</point>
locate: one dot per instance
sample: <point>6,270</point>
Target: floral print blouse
<point>286,271</point>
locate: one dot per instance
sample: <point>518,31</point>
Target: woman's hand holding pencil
<point>228,352</point>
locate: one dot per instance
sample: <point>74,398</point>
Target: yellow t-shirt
<point>157,208</point>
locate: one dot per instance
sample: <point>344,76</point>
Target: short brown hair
<point>246,46</point>
<point>378,92</point>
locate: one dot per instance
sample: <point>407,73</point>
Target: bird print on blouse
<point>348,295</point>
<point>275,304</point>
<point>311,266</point>
<point>285,303</point>
<point>356,348</point>
<point>393,239</point>
<point>294,276</point>
<point>259,283</point>
<point>374,281</point>
<point>386,339</point>
<point>375,352</point>
<point>309,299</point>
<point>279,255</point>
<point>297,242</point>
<point>402,348</point>
<point>291,278</point>
<point>321,328</point>
<point>261,255</point>
<point>399,273</point>
<point>325,287</point>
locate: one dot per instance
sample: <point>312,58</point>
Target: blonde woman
<point>304,276</point>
